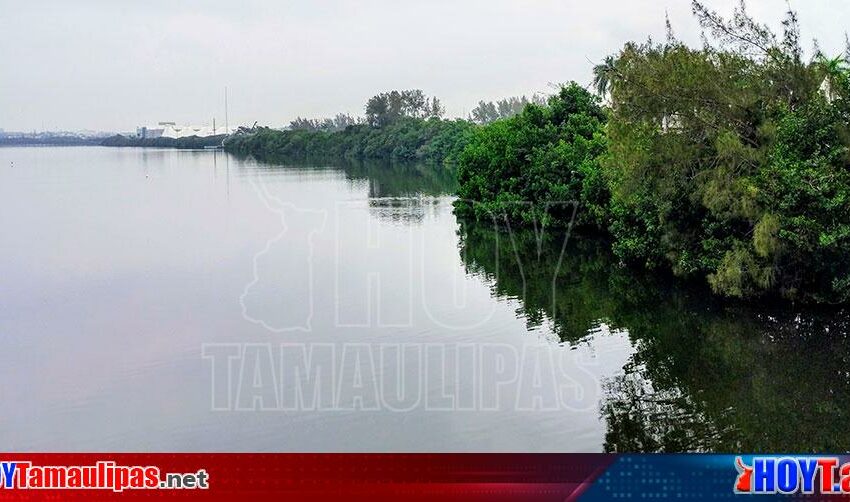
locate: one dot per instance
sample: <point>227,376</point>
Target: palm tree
<point>604,75</point>
<point>834,66</point>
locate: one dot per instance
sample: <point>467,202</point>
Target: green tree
<point>387,107</point>
<point>485,112</point>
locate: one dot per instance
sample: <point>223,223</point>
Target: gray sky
<point>112,65</point>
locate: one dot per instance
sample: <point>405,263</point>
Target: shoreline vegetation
<point>431,140</point>
<point>398,125</point>
<point>191,142</point>
<point>726,164</point>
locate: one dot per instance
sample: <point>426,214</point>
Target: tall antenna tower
<point>226,123</point>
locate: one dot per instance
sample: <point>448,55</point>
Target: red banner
<point>503,477</point>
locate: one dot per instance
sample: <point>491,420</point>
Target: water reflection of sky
<point>123,263</point>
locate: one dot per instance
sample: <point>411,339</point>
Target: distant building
<point>172,130</point>
<point>826,89</point>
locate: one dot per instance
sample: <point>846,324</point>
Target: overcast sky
<point>113,65</point>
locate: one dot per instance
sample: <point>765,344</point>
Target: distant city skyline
<point>113,66</point>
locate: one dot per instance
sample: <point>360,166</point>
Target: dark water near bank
<point>121,268</point>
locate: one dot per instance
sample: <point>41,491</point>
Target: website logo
<point>787,475</point>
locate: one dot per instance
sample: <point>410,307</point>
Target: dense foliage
<point>729,163</point>
<point>405,138</point>
<point>534,166</point>
<point>189,143</point>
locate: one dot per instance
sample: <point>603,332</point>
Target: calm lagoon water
<point>160,299</point>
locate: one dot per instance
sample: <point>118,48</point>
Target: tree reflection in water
<point>705,375</point>
<point>398,192</point>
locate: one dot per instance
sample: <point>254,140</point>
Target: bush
<point>534,166</point>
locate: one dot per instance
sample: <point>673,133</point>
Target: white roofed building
<point>172,130</point>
